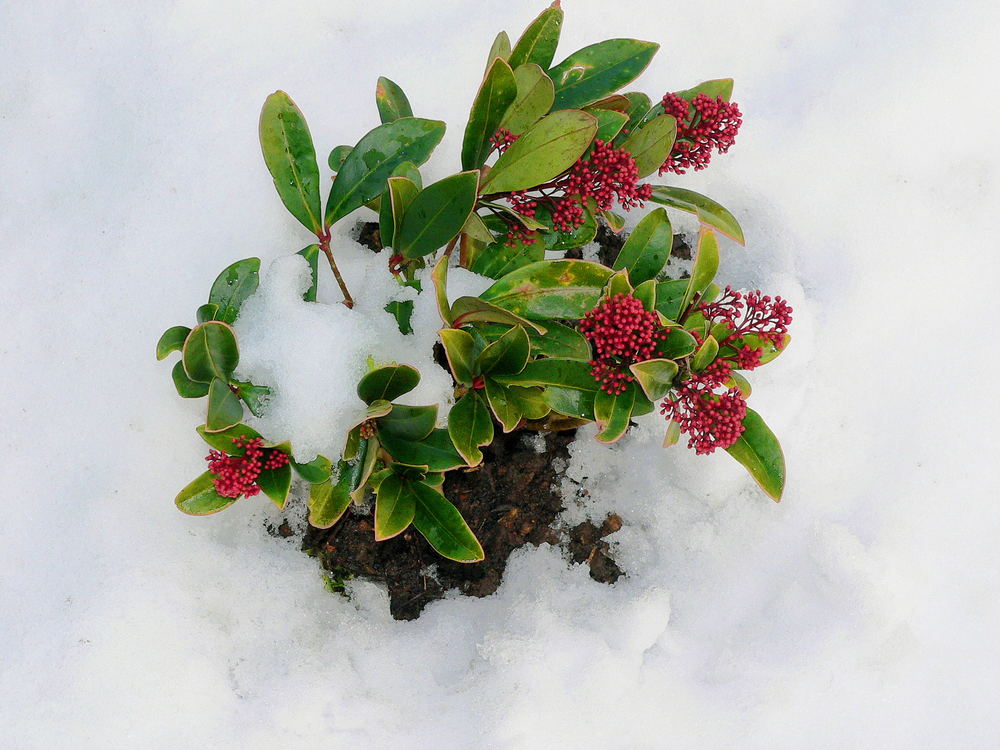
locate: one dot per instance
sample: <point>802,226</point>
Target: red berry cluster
<point>237,475</point>
<point>502,139</point>
<point>750,313</point>
<point>622,333</point>
<point>703,123</point>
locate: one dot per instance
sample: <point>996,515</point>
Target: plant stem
<point>324,245</point>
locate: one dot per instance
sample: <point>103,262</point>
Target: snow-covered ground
<point>861,612</point>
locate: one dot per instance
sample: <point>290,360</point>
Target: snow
<point>860,612</point>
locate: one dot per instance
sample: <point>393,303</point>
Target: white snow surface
<point>860,612</point>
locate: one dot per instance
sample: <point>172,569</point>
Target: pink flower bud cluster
<point>750,313</point>
<point>502,139</point>
<point>622,333</point>
<point>237,475</point>
<point>703,124</point>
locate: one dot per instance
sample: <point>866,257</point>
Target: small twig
<point>324,245</point>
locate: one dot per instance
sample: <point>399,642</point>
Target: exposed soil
<point>510,500</point>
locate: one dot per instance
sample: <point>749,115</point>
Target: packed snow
<point>860,612</point>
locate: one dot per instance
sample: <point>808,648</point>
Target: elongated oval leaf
<point>650,145</point>
<point>759,451</point>
<point>705,355</point>
<point>388,383</point>
<point>224,407</point>
<point>436,215</point>
<point>336,158</point>
<point>497,92</point>
<point>500,48</point>
<point>609,123</point>
<point>535,94</point>
<point>372,161</point>
<point>678,343</point>
<point>291,159</point>
<point>499,259</point>
<point>408,422</point>
<point>709,212</point>
<point>443,527</point>
<point>391,101</point>
<point>311,254</point>
<point>717,87</point>
<point>210,352</point>
<point>647,250</point>
<point>550,289</point>
<point>395,505</point>
<point>505,408</point>
<point>638,105</point>
<point>562,373</point>
<point>436,451</point>
<point>187,388</point>
<point>459,348</point>
<point>276,483</point>
<point>223,440</point>
<point>172,340</point>
<point>706,265</point>
<point>507,355</point>
<point>330,499</point>
<point>547,150</point>
<point>206,312</point>
<point>655,376</point>
<point>612,413</point>
<point>233,286</point>
<point>539,41</point>
<point>470,426</point>
<point>601,69</point>
<point>200,498</point>
<point>402,191</point>
<point>474,310</point>
<point>316,471</point>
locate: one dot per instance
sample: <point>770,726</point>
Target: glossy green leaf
<point>768,351</point>
<point>291,159</point>
<point>276,484</point>
<point>570,401</point>
<point>759,451</point>
<point>224,407</point>
<point>598,70</point>
<point>736,380</point>
<point>528,222</point>
<point>330,499</point>
<point>530,401</point>
<point>709,213</point>
<point>550,289</point>
<point>311,254</point>
<point>496,93</point>
<point>402,311</point>
<point>717,87</point>
<point>395,505</point>
<point>187,388</point>
<point>436,451</point>
<point>638,105</point>
<point>506,409</point>
<point>499,258</point>
<point>436,215</point>
<point>388,383</point>
<point>650,145</point>
<point>669,296</point>
<point>336,158</point>
<point>539,41</point>
<point>646,294</point>
<point>618,284</point>
<point>706,265</point>
<point>609,123</point>
<point>401,192</point>
<point>477,230</point>
<point>210,351</point>
<point>233,286</point>
<point>500,48</point>
<point>470,426</point>
<point>615,103</point>
<point>647,249</point>
<point>366,458</point>
<point>315,471</point>
<point>679,343</point>
<point>474,310</point>
<point>439,275</point>
<point>459,348</point>
<point>223,440</point>
<point>408,422</point>
<point>655,376</point>
<point>616,222</point>
<point>672,435</point>
<point>535,94</point>
<point>207,312</point>
<point>705,355</point>
<point>255,397</point>
<point>564,373</point>
<point>612,413</point>
<point>372,161</point>
<point>200,498</point>
<point>443,527</point>
<point>507,355</point>
<point>547,150</point>
<point>391,101</point>
<point>556,341</point>
<point>172,340</point>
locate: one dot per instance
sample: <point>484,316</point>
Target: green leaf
<point>372,161</point>
<point>550,289</point>
<point>436,215</point>
<point>187,388</point>
<point>210,351</point>
<point>759,451</point>
<point>311,254</point>
<point>507,355</point>
<point>672,435</point>
<point>530,401</point>
<point>717,87</point>
<point>539,41</point>
<point>528,222</point>
<point>736,380</point>
<point>570,401</point>
<point>402,311</point>
<point>563,373</point>
<point>499,258</point>
<point>615,103</point>
<point>254,396</point>
<point>638,105</point>
<point>436,451</point>
<point>223,440</point>
<point>402,191</point>
<point>172,340</point>
<point>619,284</point>
<point>330,499</point>
<point>609,123</point>
<point>474,310</point>
<point>291,159</point>
<point>594,72</point>
<point>506,409</point>
<point>500,48</point>
<point>337,156</point>
<point>647,249</point>
<point>391,101</point>
<point>655,376</point>
<point>477,230</point>
<point>612,413</point>
<point>709,213</point>
<point>207,312</point>
<point>470,426</point>
<point>616,222</point>
<point>547,150</point>
<point>679,343</point>
<point>224,407</point>
<point>669,296</point>
<point>705,355</point>
<point>315,471</point>
<point>276,483</point>
<point>535,94</point>
<point>367,456</point>
<point>388,383</point>
<point>495,95</point>
<point>459,348</point>
<point>560,341</point>
<point>646,294</point>
<point>233,286</point>
<point>395,505</point>
<point>408,422</point>
<point>443,526</point>
<point>650,145</point>
<point>706,265</point>
<point>439,275</point>
<point>200,498</point>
